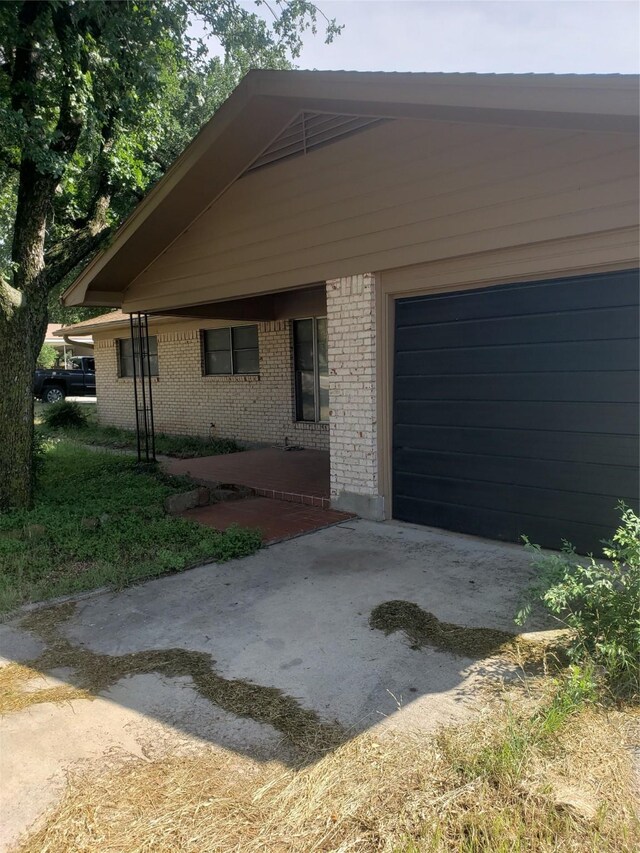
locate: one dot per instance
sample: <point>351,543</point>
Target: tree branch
<point>70,123</point>
<point>10,298</point>
<point>24,73</point>
<point>65,256</point>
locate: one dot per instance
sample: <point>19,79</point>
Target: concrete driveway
<point>228,655</point>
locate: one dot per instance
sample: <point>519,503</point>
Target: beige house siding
<point>252,409</point>
<point>401,193</point>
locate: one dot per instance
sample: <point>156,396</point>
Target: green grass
<point>503,760</point>
<point>134,538</point>
<point>114,438</point>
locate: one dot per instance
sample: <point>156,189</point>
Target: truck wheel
<point>53,394</point>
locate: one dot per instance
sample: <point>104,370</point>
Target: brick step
<point>293,497</point>
<point>277,520</point>
<point>234,491</point>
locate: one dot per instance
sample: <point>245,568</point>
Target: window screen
<point>231,351</point>
<point>125,357</point>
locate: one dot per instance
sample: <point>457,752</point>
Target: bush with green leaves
<point>599,601</point>
<point>64,415</point>
<point>47,357</point>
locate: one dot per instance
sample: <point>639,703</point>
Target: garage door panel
<point>620,418</point>
<point>516,409</point>
<point>504,526</point>
<point>611,450</point>
<point>536,473</point>
<point>521,500</point>
<point>595,324</point>
<point>581,292</point>
<point>598,386</point>
<point>548,358</point>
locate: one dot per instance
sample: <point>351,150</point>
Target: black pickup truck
<point>78,381</point>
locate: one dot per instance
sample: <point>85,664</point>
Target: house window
<point>231,351</point>
<point>311,369</point>
<point>125,357</point>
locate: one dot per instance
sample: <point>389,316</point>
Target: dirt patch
<point>424,629</point>
<point>95,673</point>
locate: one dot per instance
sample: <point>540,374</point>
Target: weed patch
<point>599,602</point>
<point>391,792</point>
<point>89,431</point>
<point>98,521</point>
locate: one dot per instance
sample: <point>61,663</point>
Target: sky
<point>567,36</point>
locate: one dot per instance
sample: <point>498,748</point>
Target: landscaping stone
<point>175,504</point>
<point>220,495</point>
<point>90,523</point>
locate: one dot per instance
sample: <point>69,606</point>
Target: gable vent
<point>308,131</point>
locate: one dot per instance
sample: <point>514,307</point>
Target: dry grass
<point>540,770</point>
<point>461,790</point>
<point>15,678</point>
<point>424,629</point>
<point>94,673</point>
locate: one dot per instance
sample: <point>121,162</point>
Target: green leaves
<point>47,357</point>
<point>134,538</point>
<point>112,94</point>
<point>600,602</point>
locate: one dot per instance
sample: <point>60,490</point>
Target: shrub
<point>47,357</point>
<point>64,415</point>
<point>599,602</point>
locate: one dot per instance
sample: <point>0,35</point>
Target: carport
<point>471,240</point>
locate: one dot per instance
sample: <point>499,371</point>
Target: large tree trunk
<point>21,334</point>
<point>23,319</point>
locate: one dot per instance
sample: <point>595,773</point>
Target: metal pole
<point>143,359</point>
<point>151,423</point>
<point>135,386</point>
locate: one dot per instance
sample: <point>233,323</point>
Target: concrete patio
<point>292,622</point>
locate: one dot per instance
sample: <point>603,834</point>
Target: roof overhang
<point>265,102</point>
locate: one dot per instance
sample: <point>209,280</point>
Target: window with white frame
<point>231,351</point>
<point>311,370</point>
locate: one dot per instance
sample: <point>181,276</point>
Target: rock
<point>219,495</point>
<point>230,492</point>
<point>575,801</point>
<point>183,501</point>
<point>90,523</point>
<point>104,518</point>
<point>204,496</point>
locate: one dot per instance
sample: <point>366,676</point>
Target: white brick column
<point>351,321</point>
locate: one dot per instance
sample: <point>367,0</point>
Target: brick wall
<point>252,409</point>
<point>352,394</point>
